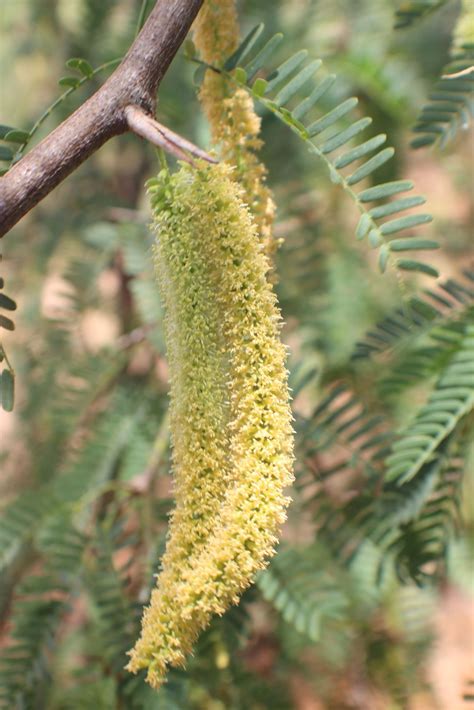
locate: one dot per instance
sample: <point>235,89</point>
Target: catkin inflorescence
<point>234,125</point>
<point>230,415</point>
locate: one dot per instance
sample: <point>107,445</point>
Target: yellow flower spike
<point>212,273</point>
<point>232,119</point>
<point>198,407</point>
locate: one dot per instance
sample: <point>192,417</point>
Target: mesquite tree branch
<point>134,83</point>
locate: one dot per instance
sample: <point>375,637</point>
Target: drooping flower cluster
<point>232,119</point>
<point>230,415</point>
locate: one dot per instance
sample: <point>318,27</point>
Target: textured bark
<point>134,82</point>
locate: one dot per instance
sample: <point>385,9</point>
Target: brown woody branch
<point>133,84</point>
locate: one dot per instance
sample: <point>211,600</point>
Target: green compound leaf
<point>293,96</point>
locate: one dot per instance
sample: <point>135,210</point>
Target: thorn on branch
<point>147,127</point>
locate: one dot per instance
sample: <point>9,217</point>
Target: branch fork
<point>112,110</point>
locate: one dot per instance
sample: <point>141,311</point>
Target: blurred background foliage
<point>367,604</point>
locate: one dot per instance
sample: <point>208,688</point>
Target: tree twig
<point>134,83</point>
